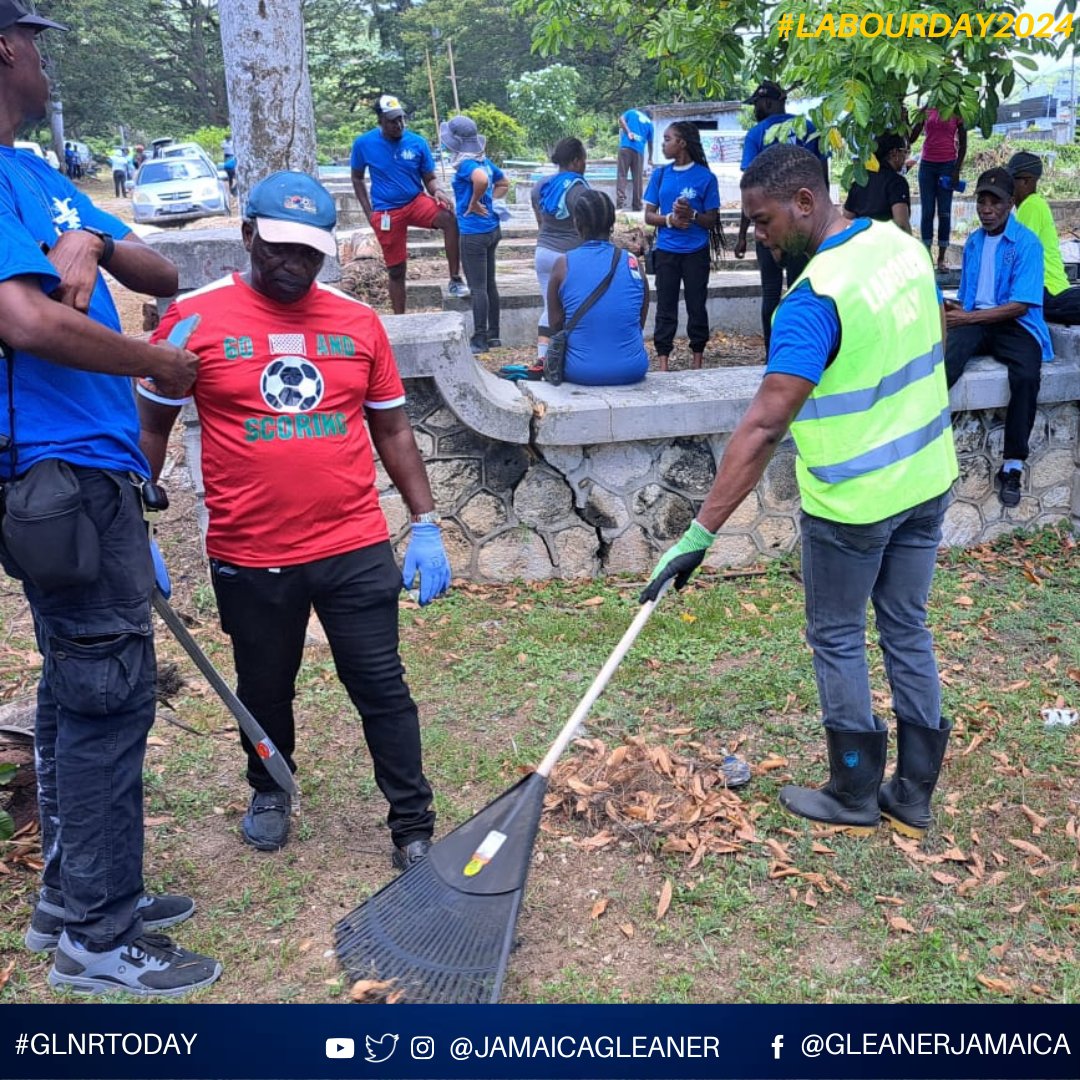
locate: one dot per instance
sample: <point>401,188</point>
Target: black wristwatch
<point>110,244</point>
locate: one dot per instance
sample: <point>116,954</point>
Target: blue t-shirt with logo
<point>397,166</point>
<point>755,138</point>
<point>606,347</point>
<point>471,224</point>
<point>639,125</point>
<point>82,417</point>
<point>698,186</point>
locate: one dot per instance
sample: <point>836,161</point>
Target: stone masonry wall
<point>514,511</point>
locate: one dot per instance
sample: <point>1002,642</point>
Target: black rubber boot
<point>905,799</point>
<point>850,798</point>
<point>478,343</point>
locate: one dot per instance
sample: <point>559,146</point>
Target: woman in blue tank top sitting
<point>606,347</point>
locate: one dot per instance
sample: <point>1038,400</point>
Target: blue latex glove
<point>426,556</point>
<point>161,571</point>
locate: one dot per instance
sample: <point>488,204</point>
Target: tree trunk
<point>266,74</point>
<point>57,125</point>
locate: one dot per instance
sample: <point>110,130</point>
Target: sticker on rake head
<point>484,853</point>
<point>264,750</point>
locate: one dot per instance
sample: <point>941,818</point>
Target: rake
<point>442,932</point>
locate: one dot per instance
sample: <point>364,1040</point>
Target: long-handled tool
<point>442,932</point>
<point>267,751</point>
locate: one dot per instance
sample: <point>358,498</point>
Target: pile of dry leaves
<point>673,796</point>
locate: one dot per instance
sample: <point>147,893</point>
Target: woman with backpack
<point>682,201</point>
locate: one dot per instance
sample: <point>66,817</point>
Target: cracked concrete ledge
<point>435,346</point>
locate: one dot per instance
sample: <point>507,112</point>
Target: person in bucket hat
<point>478,182</point>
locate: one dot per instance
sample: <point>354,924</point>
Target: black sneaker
<point>494,343</point>
<point>1009,486</point>
<point>266,824</point>
<point>410,854</point>
<point>478,343</point>
<point>158,912</point>
<point>151,965</point>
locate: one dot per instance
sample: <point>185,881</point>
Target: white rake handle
<point>598,684</point>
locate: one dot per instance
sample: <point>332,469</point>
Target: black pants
<point>1063,308</point>
<point>95,707</point>
<point>1010,344</point>
<point>478,262</point>
<point>691,271</point>
<point>355,595</point>
<point>772,283</point>
<point>119,179</point>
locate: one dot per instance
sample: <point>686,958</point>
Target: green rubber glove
<point>680,560</point>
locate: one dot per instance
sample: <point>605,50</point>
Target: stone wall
<point>535,512</point>
<point>537,481</point>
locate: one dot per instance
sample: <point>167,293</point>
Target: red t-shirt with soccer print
<point>287,461</point>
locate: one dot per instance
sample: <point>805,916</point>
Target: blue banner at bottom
<point>237,1042</point>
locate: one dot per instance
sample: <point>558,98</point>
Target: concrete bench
<point>666,405</point>
<point>733,304</point>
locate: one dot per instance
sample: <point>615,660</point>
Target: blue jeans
<point>96,704</point>
<point>890,563</point>
<point>931,193</point>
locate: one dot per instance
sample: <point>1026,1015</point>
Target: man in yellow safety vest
<point>856,373</point>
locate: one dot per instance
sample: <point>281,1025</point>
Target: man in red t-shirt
<point>289,372</point>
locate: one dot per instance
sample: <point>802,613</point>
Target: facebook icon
<point>777,1046</point>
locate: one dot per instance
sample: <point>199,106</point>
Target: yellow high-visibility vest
<point>875,436</point>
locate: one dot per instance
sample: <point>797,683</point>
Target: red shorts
<point>421,213</point>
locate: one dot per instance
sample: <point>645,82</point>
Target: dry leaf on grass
<point>898,922</point>
<point>895,901</point>
<point>944,879</point>
<point>627,929</point>
<point>998,986</point>
<point>665,899</point>
<point>1038,822</point>
<point>1028,848</point>
<point>373,991</point>
<point>593,601</point>
<point>6,974</point>
<point>598,908</point>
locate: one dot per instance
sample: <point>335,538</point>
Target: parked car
<point>35,149</point>
<point>178,189</point>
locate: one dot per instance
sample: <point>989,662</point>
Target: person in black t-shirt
<point>885,196</point>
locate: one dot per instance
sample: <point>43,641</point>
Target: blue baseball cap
<point>293,208</point>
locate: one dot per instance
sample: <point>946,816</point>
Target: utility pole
<point>453,75</point>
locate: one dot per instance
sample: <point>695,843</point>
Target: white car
<point>35,149</point>
<point>178,189</point>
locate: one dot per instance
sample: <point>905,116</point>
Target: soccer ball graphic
<point>291,384</point>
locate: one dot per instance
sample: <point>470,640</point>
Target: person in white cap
<point>404,192</point>
<point>293,377</point>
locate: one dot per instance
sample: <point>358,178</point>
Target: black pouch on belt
<point>46,531</point>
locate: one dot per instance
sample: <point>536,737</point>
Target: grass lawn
<point>750,905</point>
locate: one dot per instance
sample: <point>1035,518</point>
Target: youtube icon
<point>340,1048</point>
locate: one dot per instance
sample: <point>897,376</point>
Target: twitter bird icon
<point>380,1049</point>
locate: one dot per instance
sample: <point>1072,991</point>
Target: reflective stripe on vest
<point>854,401</point>
<point>874,437</point>
<point>883,456</point>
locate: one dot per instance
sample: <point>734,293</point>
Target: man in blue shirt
<point>999,311</point>
<point>769,101</point>
<point>404,192</point>
<point>635,137</point>
<point>69,421</point>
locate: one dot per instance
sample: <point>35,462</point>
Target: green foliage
<point>545,102</point>
<point>505,136</point>
<point>210,139</point>
<point>867,85</point>
<point>7,826</point>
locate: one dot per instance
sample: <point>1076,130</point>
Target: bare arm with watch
<point>392,436</point>
<point>79,253</point>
